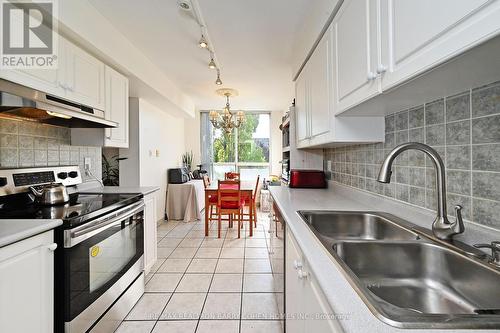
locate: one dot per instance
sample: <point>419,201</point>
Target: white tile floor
<point>204,284</point>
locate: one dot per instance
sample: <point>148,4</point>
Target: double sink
<point>407,278</point>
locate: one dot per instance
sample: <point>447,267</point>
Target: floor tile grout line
<point>191,259</point>
<point>177,285</point>
<point>210,285</point>
<point>153,274</point>
<point>242,284</point>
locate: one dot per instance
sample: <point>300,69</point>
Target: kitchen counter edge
<point>15,230</point>
<point>144,190</point>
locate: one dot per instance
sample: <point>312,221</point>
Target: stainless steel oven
<point>100,259</point>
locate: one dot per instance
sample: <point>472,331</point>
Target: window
<point>245,150</point>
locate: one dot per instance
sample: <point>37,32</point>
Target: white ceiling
<point>252,39</point>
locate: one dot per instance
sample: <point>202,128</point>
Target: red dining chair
<point>229,202</point>
<point>232,176</point>
<point>250,202</point>
<point>212,199</point>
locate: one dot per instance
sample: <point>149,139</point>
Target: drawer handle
<point>297,264</point>
<point>52,247</point>
<point>302,274</point>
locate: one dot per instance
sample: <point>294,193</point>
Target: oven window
<point>108,257</point>
<point>94,265</point>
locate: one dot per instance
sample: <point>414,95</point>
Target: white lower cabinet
<point>27,285</point>
<point>307,309</point>
<point>150,241</point>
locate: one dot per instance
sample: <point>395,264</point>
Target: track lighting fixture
<point>212,64</point>
<point>218,81</point>
<point>203,42</point>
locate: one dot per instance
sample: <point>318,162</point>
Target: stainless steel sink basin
<point>405,280</point>
<point>427,278</point>
<point>356,225</point>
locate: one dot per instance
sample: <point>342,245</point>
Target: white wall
<point>192,139</point>
<point>157,131</point>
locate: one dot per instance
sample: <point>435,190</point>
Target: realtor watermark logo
<point>28,31</point>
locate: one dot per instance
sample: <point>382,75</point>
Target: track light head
<point>212,64</point>
<point>203,42</point>
<point>218,81</point>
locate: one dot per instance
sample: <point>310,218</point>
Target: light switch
<point>157,151</point>
<point>87,162</point>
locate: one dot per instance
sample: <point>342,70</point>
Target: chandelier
<point>226,120</point>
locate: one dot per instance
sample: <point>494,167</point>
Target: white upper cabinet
<point>116,108</point>
<point>302,107</point>
<point>321,86</point>
<point>313,95</point>
<point>315,102</point>
<point>79,77</point>
<point>46,80</point>
<point>84,77</point>
<point>356,53</point>
<point>419,35</point>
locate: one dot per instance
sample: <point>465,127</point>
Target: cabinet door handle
<point>371,76</point>
<point>297,264</point>
<point>302,274</point>
<point>381,69</point>
<point>52,247</point>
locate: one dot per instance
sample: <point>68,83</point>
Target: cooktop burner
<point>80,208</point>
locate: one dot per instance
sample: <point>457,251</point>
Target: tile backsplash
<point>464,129</point>
<point>25,144</point>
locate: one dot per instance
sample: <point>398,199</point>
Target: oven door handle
<point>79,234</point>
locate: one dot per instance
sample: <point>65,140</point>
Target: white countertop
<point>12,231</point>
<point>342,297</point>
<point>145,190</point>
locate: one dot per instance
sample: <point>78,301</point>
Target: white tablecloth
<point>185,201</point>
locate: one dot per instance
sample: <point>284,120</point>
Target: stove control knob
<point>62,175</point>
<point>3,181</point>
<point>73,174</point>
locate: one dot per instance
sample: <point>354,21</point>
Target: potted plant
<point>110,170</point>
<point>187,160</point>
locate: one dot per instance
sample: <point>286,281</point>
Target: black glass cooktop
<point>80,208</point>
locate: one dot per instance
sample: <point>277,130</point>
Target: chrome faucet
<point>441,227</point>
<point>495,252</point>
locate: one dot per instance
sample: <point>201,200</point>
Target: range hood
<point>24,103</point>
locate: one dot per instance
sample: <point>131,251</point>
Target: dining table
<point>246,188</point>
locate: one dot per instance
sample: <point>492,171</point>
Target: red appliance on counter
<point>307,179</point>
